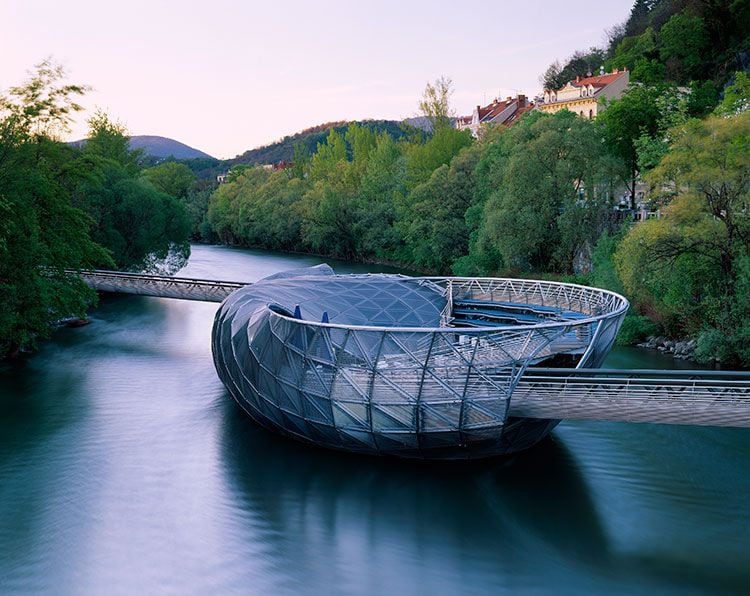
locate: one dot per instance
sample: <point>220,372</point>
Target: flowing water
<point>126,469</point>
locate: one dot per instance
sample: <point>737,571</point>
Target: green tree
<point>329,214</point>
<point>635,52</point>
<point>328,156</point>
<point>552,193</point>
<point>639,16</point>
<point>683,43</point>
<point>174,179</point>
<point>686,266</point>
<point>626,120</point>
<point>424,158</point>
<point>382,185</point>
<point>141,227</point>
<point>710,163</point>
<point>435,103</point>
<point>41,232</point>
<point>300,160</point>
<point>579,64</point>
<point>736,96</point>
<point>108,140</point>
<point>435,227</point>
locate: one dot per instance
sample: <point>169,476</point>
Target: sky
<point>225,76</point>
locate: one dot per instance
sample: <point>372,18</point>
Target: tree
<point>736,97</point>
<point>579,64</point>
<point>434,221</point>
<point>638,19</point>
<point>689,265</point>
<point>424,158</point>
<point>435,103</point>
<point>329,208</point>
<point>300,160</point>
<point>551,78</point>
<point>615,35</point>
<point>710,163</point>
<point>636,53</point>
<point>41,232</point>
<point>174,179</point>
<point>624,121</point>
<point>328,155</point>
<point>382,184</point>
<point>44,105</point>
<point>108,140</point>
<point>551,196</point>
<point>141,227</point>
<point>684,41</point>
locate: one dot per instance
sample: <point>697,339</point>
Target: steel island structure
<point>432,367</point>
<point>416,367</point>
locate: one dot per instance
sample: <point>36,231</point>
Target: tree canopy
<point>63,207</point>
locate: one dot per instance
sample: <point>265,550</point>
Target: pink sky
<point>226,76</point>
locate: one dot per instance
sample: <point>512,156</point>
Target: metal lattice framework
<point>362,362</point>
<point>432,367</point>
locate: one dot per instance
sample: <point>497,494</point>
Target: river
<point>126,469</point>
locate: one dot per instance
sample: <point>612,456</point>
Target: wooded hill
<point>308,139</point>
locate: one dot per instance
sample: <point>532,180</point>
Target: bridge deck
<point>672,397</point>
<point>162,286</point>
<point>709,398</point>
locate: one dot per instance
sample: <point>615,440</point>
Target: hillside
<point>164,147</point>
<point>309,138</point>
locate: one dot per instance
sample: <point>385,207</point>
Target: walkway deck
<point>699,397</point>
<point>673,397</point>
<point>161,286</point>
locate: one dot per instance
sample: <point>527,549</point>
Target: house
<point>504,112</point>
<point>582,95</point>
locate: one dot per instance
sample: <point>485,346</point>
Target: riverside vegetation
<point>537,199</point>
<point>66,207</point>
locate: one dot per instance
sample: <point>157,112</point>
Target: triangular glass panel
<point>350,416</point>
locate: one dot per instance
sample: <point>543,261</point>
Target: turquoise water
<point>125,468</point>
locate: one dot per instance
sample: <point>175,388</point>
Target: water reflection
<point>321,506</point>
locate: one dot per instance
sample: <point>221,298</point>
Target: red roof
<point>491,111</point>
<point>599,81</point>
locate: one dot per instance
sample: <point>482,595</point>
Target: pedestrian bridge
<point>692,397</point>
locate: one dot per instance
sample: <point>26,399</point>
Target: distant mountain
<point>158,148</point>
<point>164,147</point>
<point>309,138</point>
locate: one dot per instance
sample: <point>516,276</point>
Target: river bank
<point>681,350</point>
